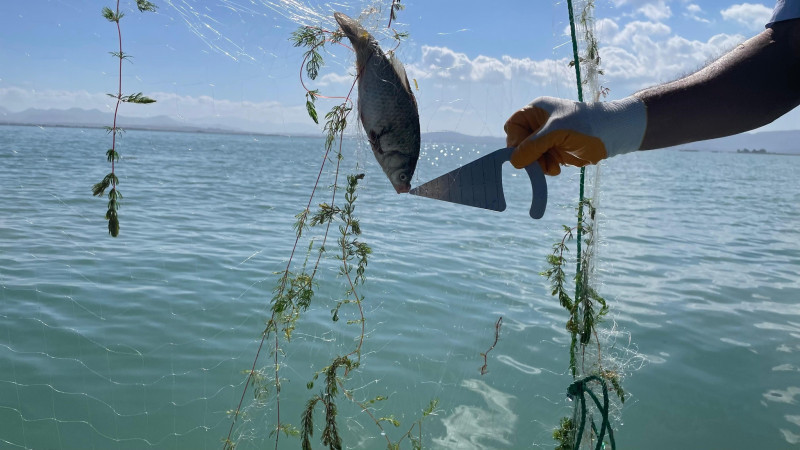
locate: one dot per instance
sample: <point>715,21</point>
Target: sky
<point>230,62</point>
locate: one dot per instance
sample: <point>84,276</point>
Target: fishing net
<point>150,341</point>
<point>596,373</point>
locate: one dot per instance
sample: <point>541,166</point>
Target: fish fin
<point>400,71</point>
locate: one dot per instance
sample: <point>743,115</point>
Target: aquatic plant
<point>586,310</point>
<point>564,435</point>
<point>112,155</point>
<point>485,366</point>
<point>396,6</point>
<point>295,290</point>
<point>583,315</point>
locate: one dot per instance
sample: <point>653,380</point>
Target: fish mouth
<point>347,24</point>
<point>402,189</point>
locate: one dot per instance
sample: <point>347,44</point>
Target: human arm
<point>748,87</point>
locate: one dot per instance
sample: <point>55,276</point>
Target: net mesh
<point>602,362</point>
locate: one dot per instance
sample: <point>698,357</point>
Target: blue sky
<point>229,62</point>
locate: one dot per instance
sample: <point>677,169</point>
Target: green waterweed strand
<point>111,180</point>
<point>295,289</point>
<point>583,315</point>
<point>396,6</point>
<point>564,435</point>
<point>485,367</point>
<point>585,310</point>
<point>353,258</point>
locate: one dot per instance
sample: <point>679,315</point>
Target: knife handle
<point>539,188</point>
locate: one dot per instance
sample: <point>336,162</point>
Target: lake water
<point>140,341</point>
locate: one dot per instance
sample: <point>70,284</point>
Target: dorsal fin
<point>400,71</point>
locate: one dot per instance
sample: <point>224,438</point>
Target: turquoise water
<point>139,341</point>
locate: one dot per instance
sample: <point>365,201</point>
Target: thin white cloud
<point>695,12</point>
<point>334,78</point>
<point>643,53</point>
<point>637,30</point>
<point>633,4</point>
<point>17,99</point>
<point>490,70</point>
<point>651,9</point>
<point>445,64</point>
<point>752,15</point>
<point>192,107</point>
<point>604,29</point>
<point>650,61</point>
<point>442,62</point>
<point>183,108</point>
<point>655,11</point>
<point>635,53</point>
<point>451,109</point>
<point>540,72</point>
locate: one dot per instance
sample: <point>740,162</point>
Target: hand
<point>555,131</point>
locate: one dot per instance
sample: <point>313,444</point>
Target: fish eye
<point>403,177</point>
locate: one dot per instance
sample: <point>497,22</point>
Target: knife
<point>480,184</point>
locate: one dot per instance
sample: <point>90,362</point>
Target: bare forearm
<point>750,86</point>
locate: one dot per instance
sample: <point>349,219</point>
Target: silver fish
<point>386,106</point>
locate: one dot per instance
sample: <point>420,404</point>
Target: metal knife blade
<point>480,184</point>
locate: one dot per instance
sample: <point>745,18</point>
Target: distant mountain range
<point>771,141</point>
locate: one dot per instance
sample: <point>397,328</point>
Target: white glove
<point>555,131</point>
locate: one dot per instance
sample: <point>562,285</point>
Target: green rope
<point>575,56</point>
<point>576,60</point>
<point>578,389</point>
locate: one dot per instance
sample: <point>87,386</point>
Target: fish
<point>386,105</point>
